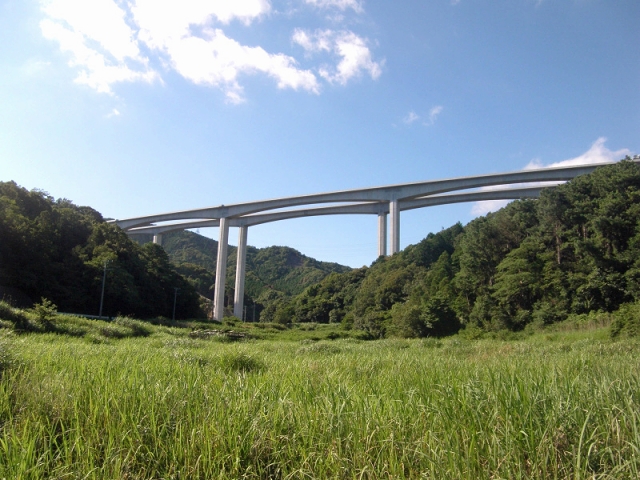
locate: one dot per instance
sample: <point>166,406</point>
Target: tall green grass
<point>173,407</point>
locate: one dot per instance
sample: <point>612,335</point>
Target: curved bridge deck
<point>384,201</point>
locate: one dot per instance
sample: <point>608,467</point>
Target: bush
<point>347,321</point>
<point>231,320</point>
<point>138,328</point>
<point>45,313</point>
<point>373,322</point>
<point>626,321</point>
<point>471,332</point>
<point>407,321</point>
<point>439,318</point>
<point>546,313</point>
<point>15,316</point>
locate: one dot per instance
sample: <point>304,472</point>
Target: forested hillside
<point>54,249</point>
<point>574,250</point>
<point>280,271</point>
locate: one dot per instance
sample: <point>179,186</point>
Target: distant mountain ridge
<point>278,268</point>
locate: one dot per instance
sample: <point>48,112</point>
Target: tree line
<point>574,250</point>
<point>56,250</point>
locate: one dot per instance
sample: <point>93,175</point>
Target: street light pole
<point>104,279</point>
<point>175,298</point>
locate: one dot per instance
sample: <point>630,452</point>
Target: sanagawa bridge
<point>385,202</point>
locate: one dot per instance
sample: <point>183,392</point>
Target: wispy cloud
<point>98,40</point>
<point>482,208</point>
<point>433,115</point>
<point>112,41</point>
<point>411,117</point>
<point>352,51</point>
<point>339,4</point>
<point>597,153</point>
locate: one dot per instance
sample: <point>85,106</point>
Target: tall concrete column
<point>221,270</point>
<point>394,218</point>
<point>382,235</point>
<point>241,263</point>
<point>157,238</point>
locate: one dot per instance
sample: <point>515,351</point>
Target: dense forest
<point>272,272</point>
<point>574,250</point>
<point>56,250</point>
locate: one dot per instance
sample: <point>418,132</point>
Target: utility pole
<point>175,298</point>
<point>104,279</point>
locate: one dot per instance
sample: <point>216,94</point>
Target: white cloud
<point>101,21</point>
<point>482,208</point>
<point>321,40</point>
<point>353,53</point>
<point>99,41</point>
<point>96,69</point>
<point>433,115</point>
<point>114,113</point>
<point>339,4</point>
<point>213,58</point>
<point>411,117</point>
<point>218,61</point>
<point>598,153</point>
<point>111,41</point>
<point>164,21</point>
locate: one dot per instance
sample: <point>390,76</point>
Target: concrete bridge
<point>386,201</point>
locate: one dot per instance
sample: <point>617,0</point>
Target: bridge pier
<point>241,263</point>
<point>398,197</point>
<point>394,217</point>
<point>382,235</point>
<point>221,270</point>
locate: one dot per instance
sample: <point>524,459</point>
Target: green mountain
<point>280,269</point>
<point>574,251</point>
<point>66,253</point>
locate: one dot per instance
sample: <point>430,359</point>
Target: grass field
<point>130,401</point>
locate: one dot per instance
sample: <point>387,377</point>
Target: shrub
<point>627,321</point>
<point>471,332</point>
<point>17,317</point>
<point>347,321</point>
<point>138,328</point>
<point>45,313</point>
<point>230,320</point>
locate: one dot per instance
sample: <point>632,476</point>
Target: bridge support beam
<point>394,218</point>
<point>221,270</point>
<point>382,235</point>
<point>241,263</point>
<point>157,238</point>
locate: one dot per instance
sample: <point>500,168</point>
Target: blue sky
<point>146,106</point>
